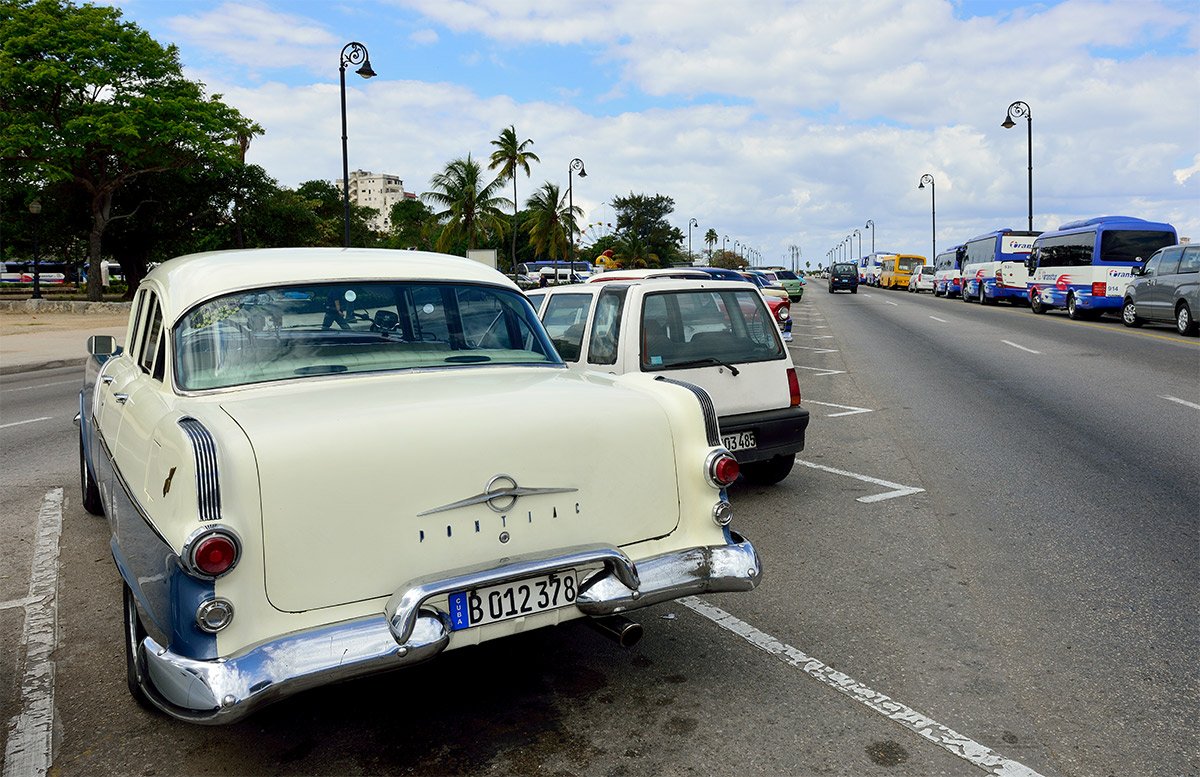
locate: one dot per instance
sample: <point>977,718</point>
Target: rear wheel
<point>90,492</point>
<point>1184,323</point>
<point>769,472</point>
<point>854,290</point>
<point>983,297</point>
<point>1035,303</point>
<point>135,665</point>
<point>1129,316</point>
<point>1076,313</point>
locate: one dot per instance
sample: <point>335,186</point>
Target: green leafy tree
<point>642,219</point>
<point>88,98</point>
<point>727,259</point>
<point>551,222</point>
<point>512,155</point>
<point>710,240</point>
<point>470,207</point>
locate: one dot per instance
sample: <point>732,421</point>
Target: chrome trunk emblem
<point>500,494</point>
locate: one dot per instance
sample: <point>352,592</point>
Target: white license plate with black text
<point>513,600</point>
<point>739,442</point>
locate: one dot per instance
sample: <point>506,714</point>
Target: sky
<point>777,124</point>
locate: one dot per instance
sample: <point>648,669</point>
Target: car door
<point>1162,286</point>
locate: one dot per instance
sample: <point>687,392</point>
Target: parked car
<point>653,272</point>
<point>776,298</point>
<point>311,468</point>
<point>843,275</point>
<point>1166,289</point>
<point>792,283</point>
<point>712,334</point>
<point>922,278</point>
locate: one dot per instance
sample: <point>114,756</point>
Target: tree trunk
<point>101,209</point>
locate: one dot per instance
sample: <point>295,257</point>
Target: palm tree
<point>510,156</point>
<point>710,240</point>
<point>470,207</point>
<point>551,221</point>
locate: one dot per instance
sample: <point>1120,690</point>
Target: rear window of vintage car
<point>683,329</point>
<point>293,332</point>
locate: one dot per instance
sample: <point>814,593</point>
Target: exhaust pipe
<point>618,628</point>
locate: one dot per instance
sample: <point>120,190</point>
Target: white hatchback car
<point>717,335</point>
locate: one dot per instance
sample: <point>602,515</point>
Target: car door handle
<point>121,398</point>
<point>106,379</point>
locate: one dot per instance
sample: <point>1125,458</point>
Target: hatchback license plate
<point>512,600</point>
<point>741,441</point>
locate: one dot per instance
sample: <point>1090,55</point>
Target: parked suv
<point>843,275</point>
<point>718,335</point>
<point>1166,289</point>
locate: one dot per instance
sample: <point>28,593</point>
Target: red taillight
<point>1099,289</point>
<point>215,554</point>
<point>793,386</point>
<point>723,469</point>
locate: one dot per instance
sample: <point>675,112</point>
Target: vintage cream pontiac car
<point>315,466</point>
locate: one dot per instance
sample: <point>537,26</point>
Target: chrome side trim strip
<point>706,404</point>
<point>402,608</point>
<point>208,485</point>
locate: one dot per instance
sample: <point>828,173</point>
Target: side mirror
<point>102,345</point>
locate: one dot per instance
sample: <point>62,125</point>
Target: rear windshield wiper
<point>705,362</point>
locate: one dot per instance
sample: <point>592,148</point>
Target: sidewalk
<point>38,337</point>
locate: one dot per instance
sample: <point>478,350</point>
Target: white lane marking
<point>899,490</point>
<point>816,349</point>
<point>1021,347</point>
<point>30,732</point>
<point>30,421</point>
<point>851,408</point>
<point>944,321</point>
<point>43,385</point>
<point>889,302</point>
<point>1181,401</point>
<point>12,603</point>
<point>821,371</point>
<point>922,725</point>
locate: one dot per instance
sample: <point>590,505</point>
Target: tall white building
<point>379,191</point>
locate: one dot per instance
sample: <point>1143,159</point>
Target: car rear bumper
<point>224,690</point>
<point>776,432</point>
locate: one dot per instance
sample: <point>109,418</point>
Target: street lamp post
<point>576,164</point>
<point>35,208</point>
<point>1021,109</point>
<point>858,235</point>
<point>871,226</point>
<point>928,179</point>
<point>352,54</point>
<point>691,223</point>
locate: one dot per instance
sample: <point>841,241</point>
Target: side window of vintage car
<point>151,345</point>
<point>565,319</point>
<point>602,346</point>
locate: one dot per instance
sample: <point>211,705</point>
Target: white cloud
<point>1184,174</point>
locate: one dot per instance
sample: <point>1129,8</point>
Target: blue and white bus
<point>993,266</point>
<point>947,272</point>
<point>870,268</point>
<point>1084,266</point>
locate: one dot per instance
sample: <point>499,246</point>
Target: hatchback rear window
<point>694,328</point>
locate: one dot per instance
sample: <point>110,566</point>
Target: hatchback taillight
<point>793,386</point>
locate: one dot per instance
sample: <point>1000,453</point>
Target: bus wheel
<point>1035,303</point>
<point>1073,311</point>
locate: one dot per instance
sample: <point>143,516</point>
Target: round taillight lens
<point>215,555</point>
<point>725,470</point>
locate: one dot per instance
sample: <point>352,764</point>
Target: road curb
<point>62,306</point>
<point>18,369</point>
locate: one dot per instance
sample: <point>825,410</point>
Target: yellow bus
<point>896,270</point>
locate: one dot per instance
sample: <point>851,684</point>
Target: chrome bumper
<point>411,630</point>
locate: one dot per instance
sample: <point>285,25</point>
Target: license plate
<point>739,442</point>
<point>512,600</point>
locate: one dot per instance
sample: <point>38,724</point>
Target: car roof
<point>185,281</point>
<point>657,272</point>
<point>652,284</point>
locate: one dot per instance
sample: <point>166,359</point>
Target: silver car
<point>1166,289</point>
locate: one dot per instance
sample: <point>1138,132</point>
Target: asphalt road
<point>1023,601</point>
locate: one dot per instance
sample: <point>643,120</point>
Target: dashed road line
<point>31,730</point>
<point>889,302</point>
<point>944,321</point>
<point>898,489</point>
<point>1181,401</point>
<point>1021,347</point>
<point>920,724</point>
<point>42,386</point>
<point>816,349</point>
<point>852,410</point>
<point>29,421</point>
